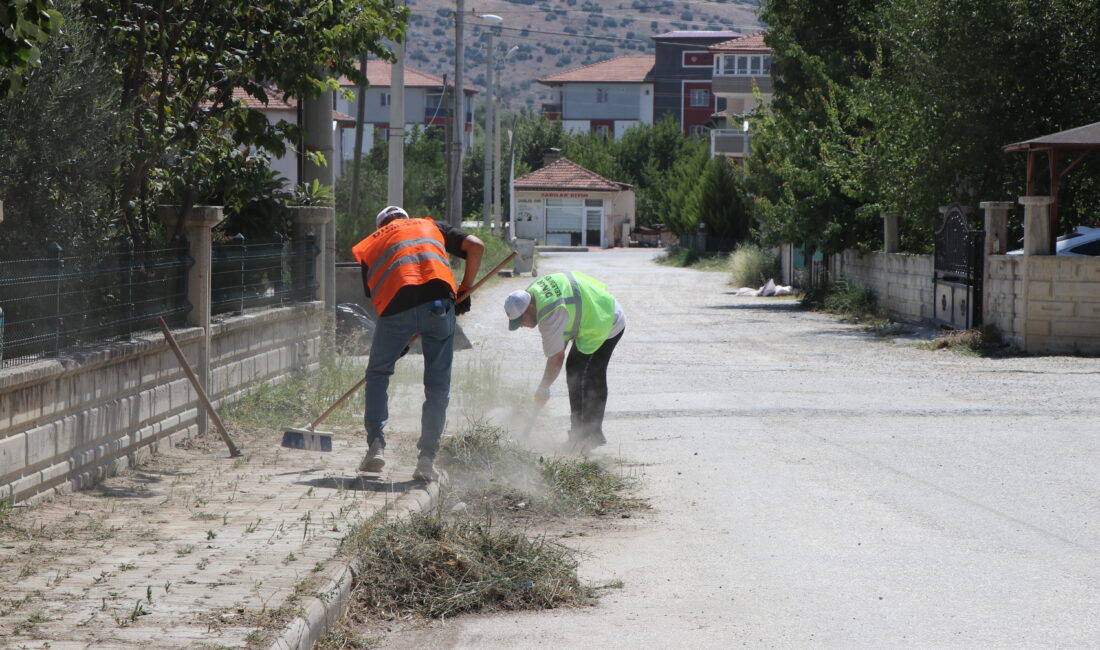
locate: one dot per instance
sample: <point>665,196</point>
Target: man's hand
<point>464,306</point>
<point>542,396</point>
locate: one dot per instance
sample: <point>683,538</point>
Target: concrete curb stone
<point>306,630</point>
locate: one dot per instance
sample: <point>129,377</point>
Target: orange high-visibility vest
<point>404,252</point>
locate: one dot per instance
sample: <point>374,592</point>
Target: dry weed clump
<point>970,341</point>
<point>429,566</point>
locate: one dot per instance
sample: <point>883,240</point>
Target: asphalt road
<point>813,486</point>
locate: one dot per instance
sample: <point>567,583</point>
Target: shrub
<point>752,266</point>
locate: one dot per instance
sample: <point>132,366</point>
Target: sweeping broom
<point>309,439</point>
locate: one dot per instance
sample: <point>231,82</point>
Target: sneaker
<point>425,470</point>
<point>374,461</point>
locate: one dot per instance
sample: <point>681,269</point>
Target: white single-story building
<point>564,204</point>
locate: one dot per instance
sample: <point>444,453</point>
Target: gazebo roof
<point>1082,138</point>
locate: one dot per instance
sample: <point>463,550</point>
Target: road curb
<point>306,630</point>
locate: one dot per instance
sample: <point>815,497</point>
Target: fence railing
<point>248,274</point>
<point>55,303</point>
<point>52,305</point>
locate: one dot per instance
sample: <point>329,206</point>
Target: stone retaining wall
<point>65,424</point>
<point>902,283</point>
<point>1045,304</point>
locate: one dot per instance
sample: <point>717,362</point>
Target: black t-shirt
<point>418,294</point>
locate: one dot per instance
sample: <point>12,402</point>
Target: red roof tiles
<point>564,174</point>
<point>632,68</point>
<point>378,74</point>
<point>745,45</point>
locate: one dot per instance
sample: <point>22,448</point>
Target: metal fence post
<point>277,281</point>
<point>126,283</point>
<point>53,253</point>
<point>242,252</point>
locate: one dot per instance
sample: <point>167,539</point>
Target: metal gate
<point>957,270</point>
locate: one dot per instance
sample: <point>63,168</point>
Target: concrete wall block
<point>1085,291</point>
<point>150,369</point>
<point>41,443</point>
<point>1055,345</point>
<point>180,393</point>
<point>1089,310</point>
<point>13,454</point>
<point>1079,329</point>
<point>1042,267</point>
<point>66,436</point>
<point>1040,289</point>
<point>1046,309</point>
<point>52,473</point>
<point>1037,327</point>
<point>26,486</point>
<point>26,405</point>
<point>1079,269</point>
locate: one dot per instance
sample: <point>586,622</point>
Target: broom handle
<point>233,451</point>
<point>356,387</point>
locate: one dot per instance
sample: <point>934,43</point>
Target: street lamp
<point>487,166</point>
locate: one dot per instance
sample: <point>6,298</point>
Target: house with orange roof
<point>276,110</point>
<point>426,104</point>
<point>564,204</point>
<point>742,66</point>
<point>605,98</point>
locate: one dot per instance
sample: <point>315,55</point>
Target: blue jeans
<point>435,323</point>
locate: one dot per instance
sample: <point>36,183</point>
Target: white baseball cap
<point>390,212</point>
<point>514,305</point>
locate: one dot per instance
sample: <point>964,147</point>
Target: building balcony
<point>732,143</point>
<point>724,84</point>
<point>552,111</point>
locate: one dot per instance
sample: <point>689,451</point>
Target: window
<point>700,97</point>
<point>384,99</point>
<point>743,65</point>
<point>601,95</point>
<point>602,130</point>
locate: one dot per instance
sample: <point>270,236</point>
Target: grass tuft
<point>971,342</point>
<point>301,396</point>
<point>752,266</point>
<point>843,299</point>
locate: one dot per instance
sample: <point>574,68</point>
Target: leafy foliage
<point>24,26</point>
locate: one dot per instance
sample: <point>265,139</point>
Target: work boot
<point>592,441</point>
<point>425,470</point>
<point>374,461</point>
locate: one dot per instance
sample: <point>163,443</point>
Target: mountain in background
<point>555,36</point>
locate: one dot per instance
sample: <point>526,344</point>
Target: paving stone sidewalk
<point>193,551</point>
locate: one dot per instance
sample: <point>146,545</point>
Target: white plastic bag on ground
<point>745,291</point>
<point>768,289</point>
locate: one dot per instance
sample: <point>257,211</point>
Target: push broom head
<point>307,440</point>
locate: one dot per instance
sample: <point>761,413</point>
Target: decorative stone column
<point>319,220</point>
<point>890,232</point>
<point>197,231</point>
<point>1038,238</point>
<point>996,226</point>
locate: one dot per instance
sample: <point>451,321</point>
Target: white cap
<point>514,306</point>
<point>390,212</point>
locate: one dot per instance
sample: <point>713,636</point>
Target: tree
<point>180,64</point>
<point>721,202</point>
<point>24,26</point>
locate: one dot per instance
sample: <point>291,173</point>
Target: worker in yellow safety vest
<point>572,307</point>
<point>408,278</point>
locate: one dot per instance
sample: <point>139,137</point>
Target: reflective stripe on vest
<point>574,326</point>
<point>402,253</point>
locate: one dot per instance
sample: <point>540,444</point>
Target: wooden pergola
<point>1073,143</point>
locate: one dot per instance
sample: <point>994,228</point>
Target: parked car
<point>1081,242</point>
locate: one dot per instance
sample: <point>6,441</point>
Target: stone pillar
<point>320,221</point>
<point>996,226</point>
<point>890,232</point>
<point>197,231</point>
<point>1038,238</point>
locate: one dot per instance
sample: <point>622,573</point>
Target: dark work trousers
<point>586,375</point>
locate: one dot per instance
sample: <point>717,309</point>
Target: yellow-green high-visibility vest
<point>590,307</point>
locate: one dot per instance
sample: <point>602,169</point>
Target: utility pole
<point>360,110</point>
<point>395,186</point>
<point>487,168</point>
<point>497,214</point>
<point>458,124</point>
